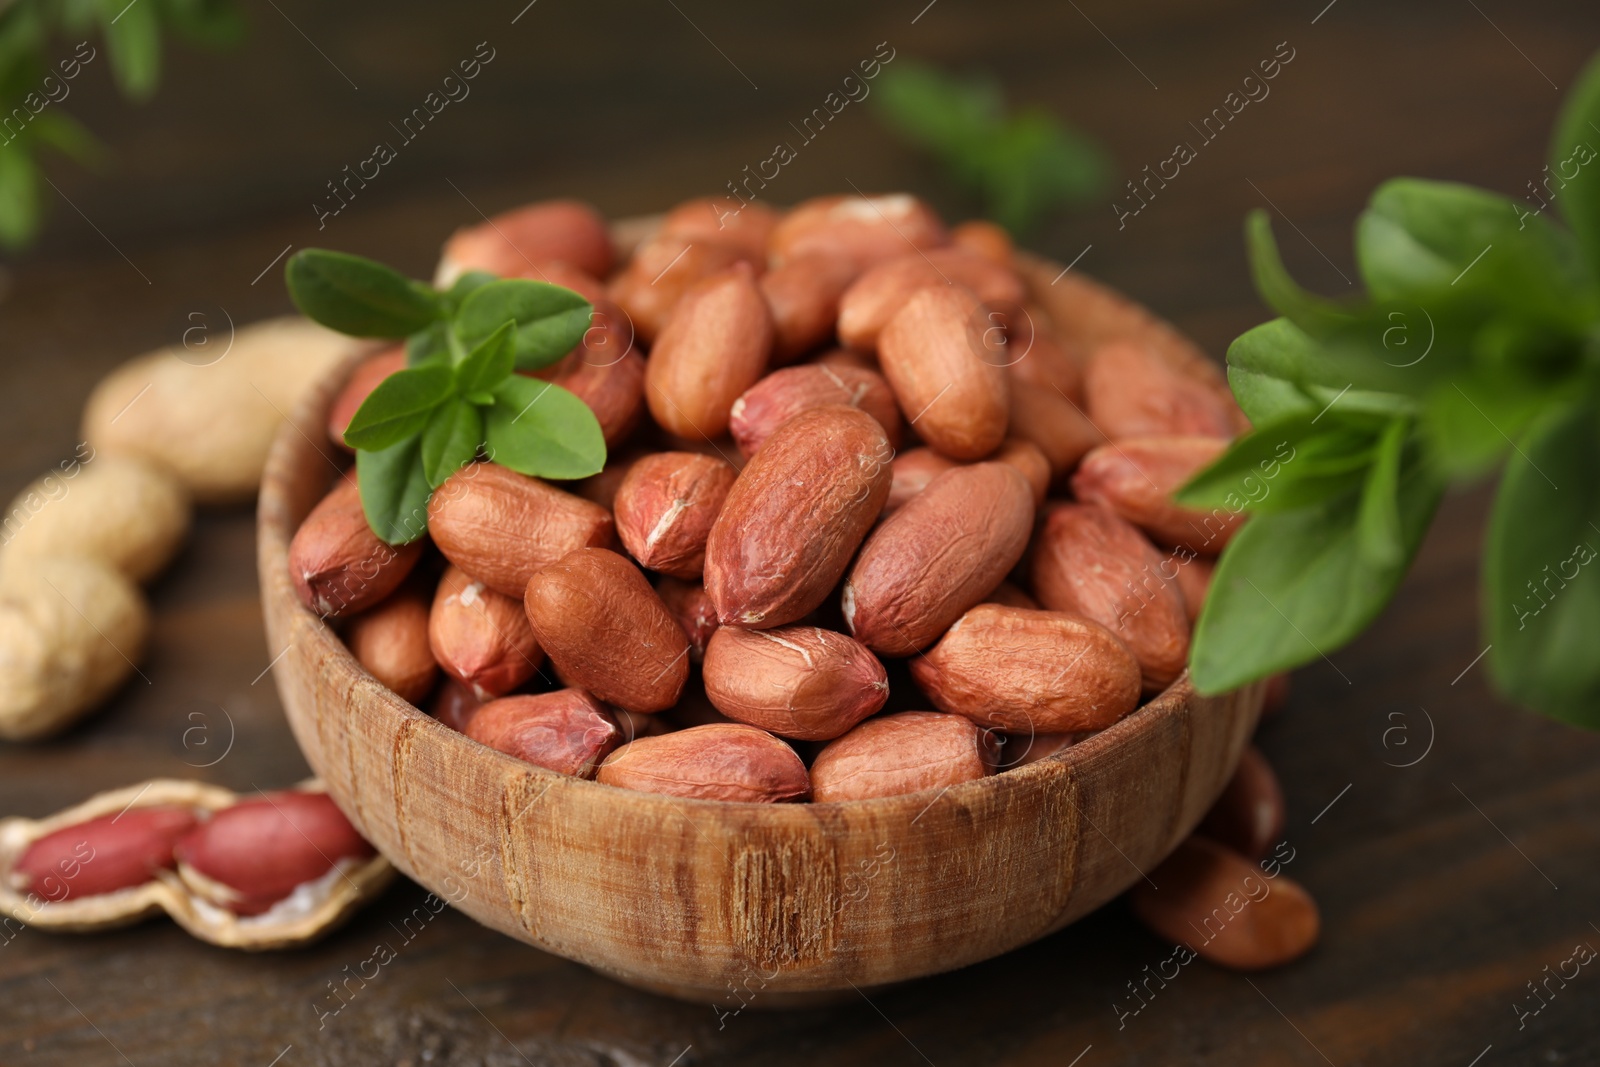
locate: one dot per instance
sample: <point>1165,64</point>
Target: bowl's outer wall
<point>719,901</point>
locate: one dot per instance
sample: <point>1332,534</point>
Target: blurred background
<point>1431,923</point>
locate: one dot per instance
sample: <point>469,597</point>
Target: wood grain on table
<point>1450,839</point>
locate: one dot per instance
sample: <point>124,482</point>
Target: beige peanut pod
<point>607,632</point>
<point>124,511</point>
<point>71,631</point>
<point>940,554</point>
<point>904,753</point>
<point>951,387</point>
<point>1030,672</point>
<point>713,348</point>
<point>795,516</point>
<point>796,681</point>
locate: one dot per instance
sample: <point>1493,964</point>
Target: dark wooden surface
<point>1445,885</point>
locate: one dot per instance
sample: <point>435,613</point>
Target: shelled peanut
<point>265,871</point>
<point>781,517</point>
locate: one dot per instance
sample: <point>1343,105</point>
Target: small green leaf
<point>1574,168</point>
<point>358,296</point>
<point>19,196</point>
<point>1293,587</point>
<point>399,407</point>
<point>70,137</point>
<point>1541,582</point>
<point>543,430</point>
<point>1314,314</point>
<point>1378,533</point>
<point>465,286</point>
<point>133,39</point>
<point>551,321</point>
<point>487,365</point>
<point>1288,463</point>
<point>429,346</point>
<point>394,491</point>
<point>451,440</point>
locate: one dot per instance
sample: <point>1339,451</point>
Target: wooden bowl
<point>770,904</point>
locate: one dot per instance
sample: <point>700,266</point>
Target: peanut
<point>746,226</point>
<point>1036,357</point>
<point>602,488</point>
<point>367,376</point>
<point>864,230</point>
<point>846,357</point>
<point>1088,561</point>
<point>500,526</point>
<point>1249,815</point>
<point>72,630</point>
<point>911,472</point>
<point>1055,424</point>
<point>798,681</point>
<point>688,603</point>
<point>454,704</point>
<point>1132,392</point>
<point>719,761</point>
<point>1136,477</point>
<point>783,394</point>
<point>661,272</point>
<point>611,383</point>
<point>480,637</point>
<point>1194,581</point>
<point>1030,671</point>
<point>1222,906</point>
<point>665,508</point>
<point>391,642</point>
<point>875,297</point>
<point>904,753</point>
<point>714,347</point>
<point>983,238</point>
<point>122,510</point>
<point>952,389</point>
<point>339,566</point>
<point>248,857</point>
<point>1028,460</point>
<point>1035,747</point>
<point>102,855</point>
<point>803,295</point>
<point>1009,596</point>
<point>607,632</point>
<point>795,516</point>
<point>938,556</point>
<point>509,243</point>
<point>567,731</point>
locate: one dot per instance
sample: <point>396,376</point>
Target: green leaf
<point>133,40</point>
<point>551,321</point>
<point>1540,581</point>
<point>399,407</point>
<point>70,137</point>
<point>487,365</point>
<point>464,286</point>
<point>431,345</point>
<point>394,491</point>
<point>1378,533</point>
<point>543,430</point>
<point>1314,314</point>
<point>1288,463</point>
<point>358,296</point>
<point>1574,166</point>
<point>1418,238</point>
<point>1264,365</point>
<point>451,440</point>
<point>1293,587</point>
<point>19,196</point>
<point>209,23</point>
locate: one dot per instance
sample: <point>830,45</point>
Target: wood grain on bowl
<point>693,897</point>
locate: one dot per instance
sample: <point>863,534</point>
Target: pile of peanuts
<point>953,510</point>
<point>254,872</point>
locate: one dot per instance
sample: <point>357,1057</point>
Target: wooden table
<point>1449,838</point>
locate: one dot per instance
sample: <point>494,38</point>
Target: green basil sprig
<point>1475,344</point>
<point>460,395</point>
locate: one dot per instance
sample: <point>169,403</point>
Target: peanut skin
<point>795,516</point>
<point>665,507</point>
<point>338,565</point>
<point>877,295</point>
<point>500,526</point>
<point>719,761</point>
<point>480,637</point>
<point>1130,391</point>
<point>363,380</point>
<point>391,642</point>
<point>565,230</point>
<point>1249,815</point>
<point>936,557</point>
<point>713,348</point>
<point>783,394</point>
<point>688,603</point>
<point>952,388</point>
<point>1088,561</point>
<point>803,295</point>
<point>862,229</point>
<point>1136,477</point>
<point>796,681</point>
<point>911,472</point>
<point>1225,909</point>
<point>1038,672</point>
<point>567,731</point>
<point>662,271</point>
<point>102,855</point>
<point>607,632</point>
<point>904,753</point>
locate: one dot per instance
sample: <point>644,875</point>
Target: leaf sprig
<point>1476,343</point>
<point>462,393</point>
<point>1024,164</point>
